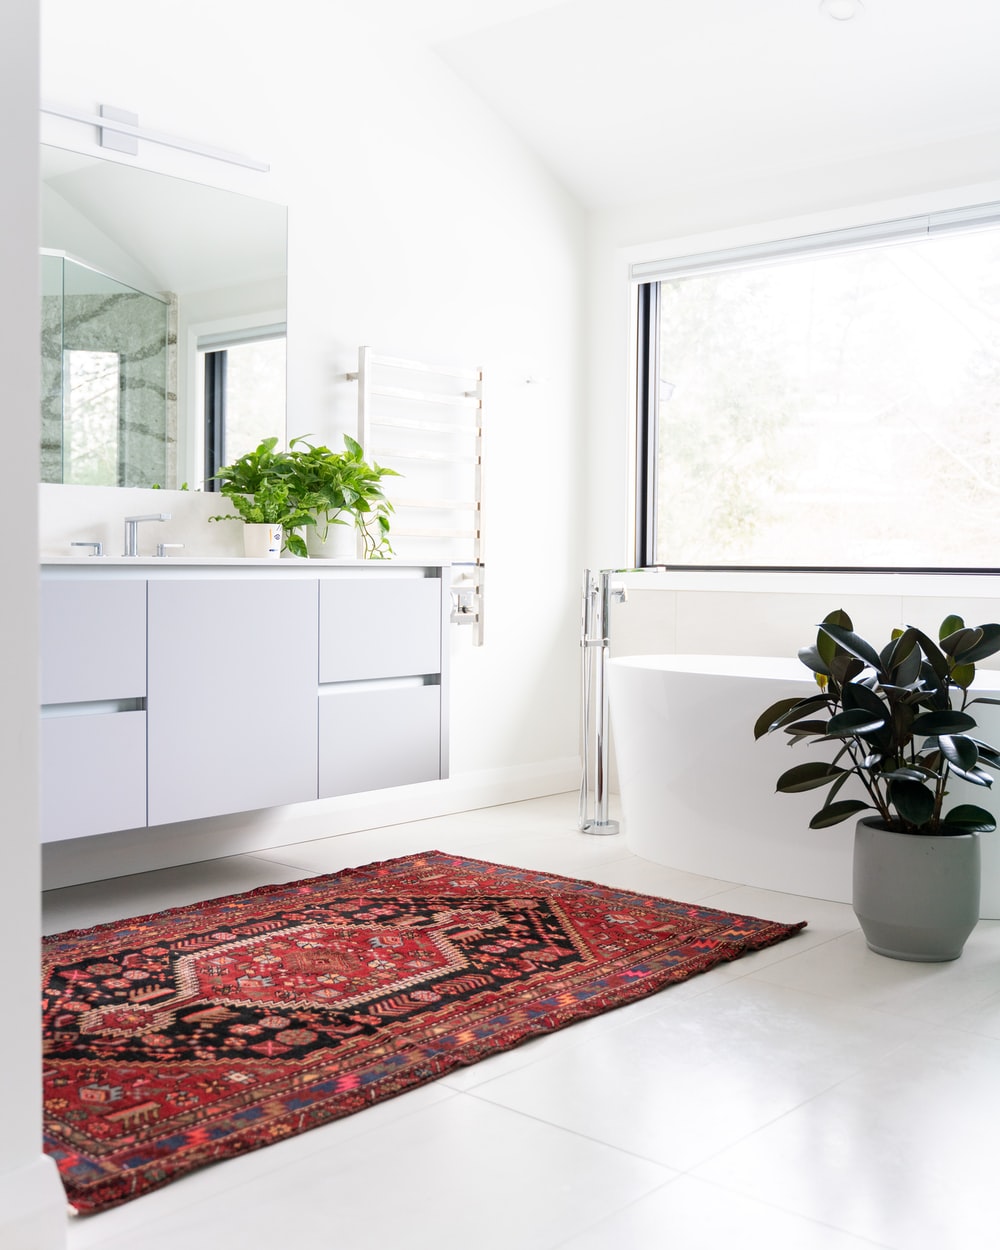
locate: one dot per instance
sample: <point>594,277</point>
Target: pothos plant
<point>260,486</point>
<point>341,488</point>
<point>898,722</point>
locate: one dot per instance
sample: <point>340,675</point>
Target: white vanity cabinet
<point>232,695</point>
<point>381,670</point>
<point>93,685</point>
<point>179,689</point>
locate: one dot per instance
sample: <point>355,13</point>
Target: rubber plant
<point>898,721</point>
<point>259,485</point>
<point>342,488</point>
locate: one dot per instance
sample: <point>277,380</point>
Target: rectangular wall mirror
<point>144,277</point>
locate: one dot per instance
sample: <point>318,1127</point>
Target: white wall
<point>419,226</point>
<point>31,1198</point>
<point>734,612</point>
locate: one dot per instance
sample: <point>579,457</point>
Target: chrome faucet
<point>132,530</point>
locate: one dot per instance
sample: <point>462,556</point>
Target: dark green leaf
<point>950,625</point>
<point>806,729</point>
<point>945,722</point>
<point>853,644</point>
<point>855,721</point>
<point>807,777</point>
<point>963,674</point>
<point>971,819</point>
<point>785,711</point>
<point>977,776</point>
<point>812,659</point>
<point>960,751</point>
<point>857,694</point>
<point>989,645</point>
<point>845,668</point>
<point>960,641</point>
<point>826,646</point>
<point>913,801</point>
<point>906,774</point>
<point>935,656</point>
<point>836,812</point>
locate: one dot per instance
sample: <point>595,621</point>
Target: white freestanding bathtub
<point>697,791</point>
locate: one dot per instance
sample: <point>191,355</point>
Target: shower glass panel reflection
<point>108,414</point>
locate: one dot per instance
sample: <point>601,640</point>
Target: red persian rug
<point>175,1040</point>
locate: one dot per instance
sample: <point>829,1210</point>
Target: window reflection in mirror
<point>242,381</point>
<point>91,418</point>
<point>162,258</point>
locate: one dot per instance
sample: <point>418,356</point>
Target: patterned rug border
<point>552,1009</point>
<point>259,891</point>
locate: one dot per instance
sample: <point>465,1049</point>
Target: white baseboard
<point>166,846</point>
<point>33,1207</point>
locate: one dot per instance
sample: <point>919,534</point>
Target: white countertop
<point>289,562</point>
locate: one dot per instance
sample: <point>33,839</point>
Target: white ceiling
<point>624,100</point>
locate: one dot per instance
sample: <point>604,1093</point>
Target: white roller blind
<point>881,233</point>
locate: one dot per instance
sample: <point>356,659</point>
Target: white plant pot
<point>337,542</point>
<point>916,896</point>
<point>262,541</point>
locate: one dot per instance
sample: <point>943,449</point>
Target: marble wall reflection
<point>109,369</point>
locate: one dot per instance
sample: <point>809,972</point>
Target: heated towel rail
<point>426,421</point>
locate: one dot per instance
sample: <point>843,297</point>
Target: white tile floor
<point>812,1096</point>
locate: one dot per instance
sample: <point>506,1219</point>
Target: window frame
<point>646,276</point>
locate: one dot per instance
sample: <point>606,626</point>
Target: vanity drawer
<point>93,774</point>
<point>378,627</point>
<point>370,739</point>
<point>92,640</point>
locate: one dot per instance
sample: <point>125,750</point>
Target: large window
<point>830,402</point>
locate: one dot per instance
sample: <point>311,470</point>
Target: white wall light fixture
<point>120,131</point>
<point>841,10</point>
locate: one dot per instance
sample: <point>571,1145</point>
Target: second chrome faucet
<point>132,530</point>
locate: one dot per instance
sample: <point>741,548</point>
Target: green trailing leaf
<point>945,722</point>
<point>853,644</point>
<point>837,812</point>
<point>808,777</point>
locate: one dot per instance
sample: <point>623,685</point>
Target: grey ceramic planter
<point>915,896</point>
